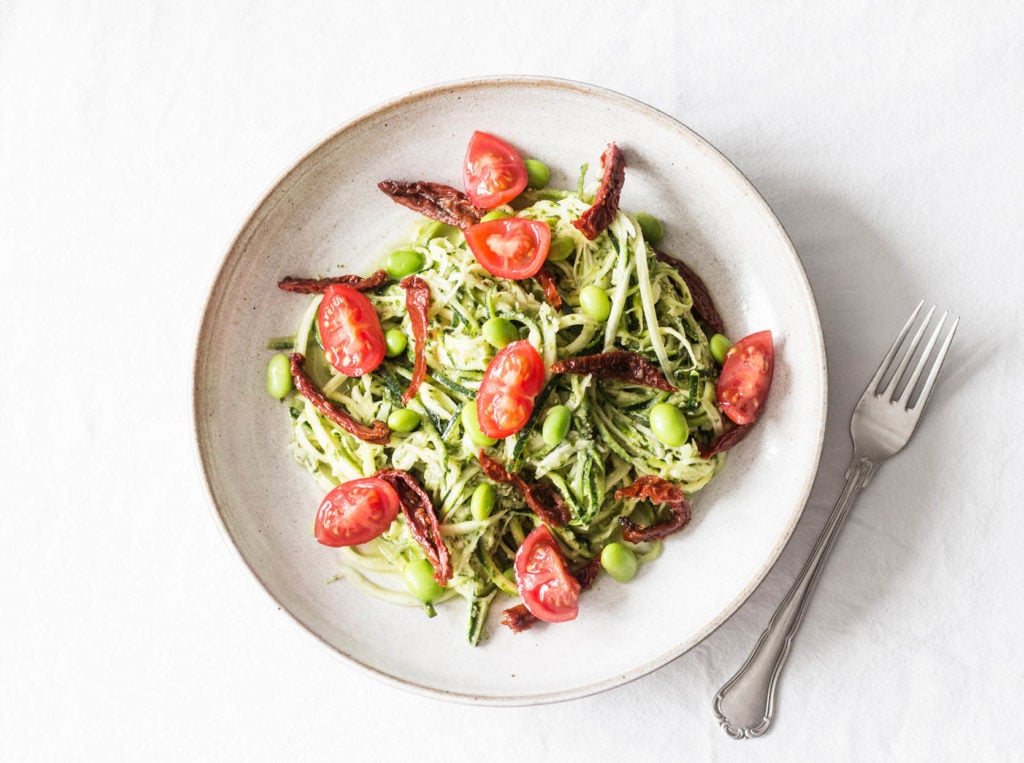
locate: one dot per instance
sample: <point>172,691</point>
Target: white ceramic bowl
<point>326,216</point>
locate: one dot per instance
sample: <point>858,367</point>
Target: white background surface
<point>135,138</point>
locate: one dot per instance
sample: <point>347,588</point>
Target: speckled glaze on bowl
<point>325,216</point>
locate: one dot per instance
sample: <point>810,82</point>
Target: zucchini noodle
<point>609,444</point>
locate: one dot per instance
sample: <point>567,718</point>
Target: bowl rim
<point>229,257</point>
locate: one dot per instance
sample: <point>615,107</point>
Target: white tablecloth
<point>134,139</point>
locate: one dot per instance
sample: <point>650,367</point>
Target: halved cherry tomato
<point>350,331</point>
<point>746,376</point>
<point>512,247</point>
<point>543,579</point>
<point>493,172</point>
<point>512,380</point>
<point>356,512</point>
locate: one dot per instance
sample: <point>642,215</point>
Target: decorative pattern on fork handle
<point>882,423</point>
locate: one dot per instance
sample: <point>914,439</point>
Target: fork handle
<point>745,705</point>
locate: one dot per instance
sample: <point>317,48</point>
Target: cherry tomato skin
<point>356,512</point>
<point>517,366</point>
<point>493,172</point>
<point>512,380</point>
<point>543,579</point>
<point>502,415</point>
<point>746,376</point>
<point>512,247</point>
<point>350,330</point>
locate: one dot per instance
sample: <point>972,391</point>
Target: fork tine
<point>876,380</point>
<point>922,362</point>
<point>926,389</point>
<point>907,355</point>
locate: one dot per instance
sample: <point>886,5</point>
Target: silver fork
<point>882,423</point>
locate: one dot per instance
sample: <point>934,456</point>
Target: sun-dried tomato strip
<point>606,203</point>
<point>434,200</point>
<point>703,305</point>
<point>618,364</point>
<point>519,618</point>
<point>417,300</point>
<point>587,574</point>
<point>724,441</point>
<point>546,503</point>
<point>547,281</point>
<point>319,285</point>
<point>376,434</point>
<point>656,490</point>
<point>542,498</point>
<point>496,472</point>
<point>421,520</point>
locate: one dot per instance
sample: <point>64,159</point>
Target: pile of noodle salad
<point>523,397</point>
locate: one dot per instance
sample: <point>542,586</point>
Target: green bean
<point>537,173</point>
<point>619,561</point>
<point>419,580</point>
<point>404,262</point>
<point>395,342</point>
<point>595,303</point>
<point>651,227</point>
<point>556,425</point>
<point>403,420</point>
<point>561,248</point>
<point>483,500</point>
<point>499,332</point>
<point>495,214</point>
<point>472,425</point>
<point>669,424</point>
<point>719,345</point>
<point>279,376</point>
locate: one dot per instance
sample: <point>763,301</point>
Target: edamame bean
<point>279,376</point>
<point>419,580</point>
<point>403,420</point>
<point>472,425</point>
<point>394,343</point>
<point>556,425</point>
<point>669,425</point>
<point>719,345</point>
<point>619,561</point>
<point>404,262</point>
<point>561,248</point>
<point>537,173</point>
<point>495,214</point>
<point>483,500</point>
<point>651,227</point>
<point>435,229</point>
<point>595,303</point>
<point>499,332</point>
